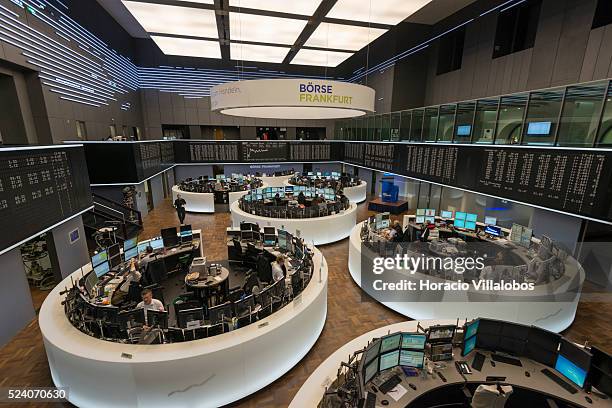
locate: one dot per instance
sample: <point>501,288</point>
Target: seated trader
<point>279,270</point>
<point>398,229</point>
<point>148,303</point>
<point>147,257</point>
<point>301,198</point>
<point>425,232</point>
<point>123,289</point>
<point>277,200</point>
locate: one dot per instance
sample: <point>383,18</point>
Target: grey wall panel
<point>183,172</point>
<point>67,257</point>
<point>158,190</point>
<point>16,309</point>
<point>604,57</point>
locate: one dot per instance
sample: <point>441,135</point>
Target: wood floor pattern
<point>23,361</point>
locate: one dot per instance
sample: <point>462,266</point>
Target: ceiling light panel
<point>164,19</point>
<point>390,12</point>
<point>343,37</point>
<point>302,7</point>
<point>201,1</point>
<point>188,47</point>
<point>258,53</point>
<point>320,58</point>
<point>264,29</point>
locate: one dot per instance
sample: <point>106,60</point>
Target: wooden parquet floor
<point>23,361</point>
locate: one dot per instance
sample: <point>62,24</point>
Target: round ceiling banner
<point>292,99</point>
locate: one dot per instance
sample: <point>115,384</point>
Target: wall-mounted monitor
<point>464,130</point>
<point>539,128</point>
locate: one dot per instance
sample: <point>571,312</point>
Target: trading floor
<point>23,361</point>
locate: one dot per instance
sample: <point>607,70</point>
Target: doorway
<point>38,268</point>
<point>149,195</point>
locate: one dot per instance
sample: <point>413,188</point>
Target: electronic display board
<point>40,187</point>
<point>300,152</point>
<point>213,152</point>
<point>264,151</point>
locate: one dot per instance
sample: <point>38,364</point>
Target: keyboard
<point>478,361</point>
<point>390,384</point>
<point>506,360</point>
<point>559,381</point>
<point>370,401</point>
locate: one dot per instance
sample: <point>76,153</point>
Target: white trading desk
<point>203,373</point>
<point>356,194</point>
<point>205,202</point>
<point>317,230</point>
<point>275,181</point>
<point>544,311</point>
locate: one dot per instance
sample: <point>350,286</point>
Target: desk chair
<point>234,251</point>
<point>297,284</point>
<point>264,269</point>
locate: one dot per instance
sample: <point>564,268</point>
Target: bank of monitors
<point>170,237</point>
<point>542,346</point>
<point>446,215</point>
<point>600,375</point>
<point>490,220</point>
<point>573,362</point>
<point>493,231</point>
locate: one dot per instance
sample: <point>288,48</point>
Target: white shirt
<point>155,305</point>
<point>132,276</point>
<point>277,271</point>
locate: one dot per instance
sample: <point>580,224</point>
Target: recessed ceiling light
<point>165,19</point>
<point>303,7</point>
<point>201,1</point>
<point>390,12</point>
<point>320,58</point>
<point>259,53</point>
<point>264,29</point>
<point>343,37</point>
<point>188,47</point>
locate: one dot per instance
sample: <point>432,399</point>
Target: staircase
<point>109,213</point>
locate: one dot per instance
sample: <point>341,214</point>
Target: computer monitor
<point>430,212</point>
<point>420,219</point>
<point>464,130</point>
<point>186,230</point>
<point>157,243</point>
<point>432,220</point>
<point>170,237</point>
<point>600,374</point>
<point>460,215</point>
<point>420,211</point>
<point>131,253</point>
<point>542,346</point>
<point>493,231</point>
<point>371,370</point>
<point>490,220</point>
<point>246,235</point>
<point>218,314</point>
<point>446,214</point>
<point>471,328</point>
<point>468,345</point>
<point>101,269</point>
<point>471,217</point>
<point>190,318</point>
<point>156,318</point>
<point>107,314</point>
<point>389,360</point>
<point>390,342</point>
<point>113,251</point>
<point>115,261</point>
<point>246,226</point>
<point>410,358</point>
<point>129,244</point>
<point>489,333</point>
<point>288,189</point>
<point>372,351</point>
<point>513,338</point>
<point>539,128</point>
<point>269,231</point>
<point>269,240</point>
<point>441,333</point>
<point>98,258</point>
<point>131,318</point>
<point>90,281</point>
<point>573,362</point>
<point>414,341</point>
<point>470,225</point>
<point>282,240</point>
<point>459,223</point>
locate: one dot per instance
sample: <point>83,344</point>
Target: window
<point>450,51</point>
<point>542,116</point>
<point>81,130</point>
<point>516,28</point>
<point>604,137</point>
<point>580,115</point>
<point>510,119</point>
<point>430,124</point>
<point>603,14</point>
<point>446,123</point>
<point>416,126</point>
<point>484,120</point>
<point>463,121</point>
<point>405,125</point>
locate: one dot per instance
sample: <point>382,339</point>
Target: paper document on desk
<point>397,393</point>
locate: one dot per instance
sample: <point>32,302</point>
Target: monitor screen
<point>491,230</point>
<point>538,128</point>
<point>282,240</point>
<point>246,226</point>
<point>157,243</point>
<point>413,341</point>
<point>460,215</point>
<point>371,370</point>
<point>420,211</point>
<point>412,358</point>
<point>389,360</point>
<point>513,338</point>
<point>468,345</point>
<point>372,351</point>
<point>102,269</point>
<point>289,189</point>
<point>169,237</point>
<point>390,342</point>
<point>113,251</point>
<point>447,214</point>
<point>542,346</point>
<point>430,212</point>
<point>470,225</point>
<point>471,217</point>
<point>459,223</point>
<point>98,258</point>
<point>490,220</point>
<point>464,130</point>
<point>185,230</point>
<point>129,243</point>
<point>431,220</point>
<point>441,332</point>
<point>269,241</point>
<point>420,219</point>
<point>471,328</point>
<point>573,362</point>
<point>570,370</point>
<point>131,253</point>
<point>601,359</point>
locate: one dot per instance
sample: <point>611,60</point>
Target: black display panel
<point>380,156</point>
<point>353,153</point>
<point>305,152</point>
<point>212,152</point>
<point>40,188</point>
<point>264,151</point>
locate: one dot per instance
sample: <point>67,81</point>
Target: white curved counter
<point>551,315</point>
<point>317,231</point>
<point>203,373</point>
<point>311,392</point>
<point>355,194</point>
<point>275,181</point>
<point>205,202</point>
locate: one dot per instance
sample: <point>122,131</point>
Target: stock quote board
<point>575,181</point>
<point>40,187</point>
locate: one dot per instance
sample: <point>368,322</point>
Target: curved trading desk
<point>553,305</point>
<point>319,230</point>
<point>275,181</point>
<point>201,373</point>
<point>445,385</point>
<point>355,194</point>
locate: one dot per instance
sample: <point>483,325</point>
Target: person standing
<point>179,204</point>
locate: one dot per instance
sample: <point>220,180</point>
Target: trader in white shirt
<point>148,303</point>
<point>279,270</point>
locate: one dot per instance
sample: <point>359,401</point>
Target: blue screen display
<point>157,243</point>
<point>471,329</point>
<point>129,243</point>
<point>460,215</point>
<point>538,128</point>
<point>102,269</point>
<point>131,253</point>
<point>459,223</point>
<point>491,230</point>
<point>98,258</point>
<point>469,345</point>
<point>446,214</point>
<point>471,217</point>
<point>412,358</point>
<point>413,341</point>
<point>389,360</point>
<point>390,342</point>
<point>464,130</point>
<point>470,225</point>
<point>570,371</point>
